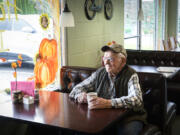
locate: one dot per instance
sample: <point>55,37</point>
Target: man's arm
<point>82,88</point>
<point>134,99</point>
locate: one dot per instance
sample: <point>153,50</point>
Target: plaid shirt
<point>133,100</point>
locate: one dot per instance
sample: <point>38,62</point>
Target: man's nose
<point>106,61</point>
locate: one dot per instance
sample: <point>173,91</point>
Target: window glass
<point>23,25</point>
<point>131,43</point>
<point>178,22</point>
<point>5,25</point>
<point>147,31</point>
<point>130,23</point>
<point>148,25</point>
<point>21,22</point>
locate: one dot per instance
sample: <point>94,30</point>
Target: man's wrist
<point>108,104</point>
<point>82,97</point>
<point>113,102</point>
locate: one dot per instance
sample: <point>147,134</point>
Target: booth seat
<point>161,112</point>
<point>157,59</point>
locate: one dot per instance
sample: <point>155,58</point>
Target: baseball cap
<point>116,48</point>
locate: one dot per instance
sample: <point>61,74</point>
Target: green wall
<point>88,36</point>
<point>171,18</point>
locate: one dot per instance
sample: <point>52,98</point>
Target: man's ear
<point>123,61</point>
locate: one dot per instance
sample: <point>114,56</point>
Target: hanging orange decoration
<point>3,59</point>
<point>19,63</point>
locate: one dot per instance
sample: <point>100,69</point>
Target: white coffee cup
<point>91,95</point>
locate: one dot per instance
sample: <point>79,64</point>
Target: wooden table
<point>58,110</point>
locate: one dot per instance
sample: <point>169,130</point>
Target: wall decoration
<point>15,65</point>
<point>108,9</point>
<point>47,63</point>
<point>47,60</point>
<point>32,21</point>
<point>1,42</point>
<point>6,7</point>
<point>44,21</point>
<point>91,7</point>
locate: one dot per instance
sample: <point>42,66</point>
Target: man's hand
<point>82,98</point>
<point>99,103</point>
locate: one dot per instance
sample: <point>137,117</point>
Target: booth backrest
<point>154,97</point>
<point>72,75</point>
<point>153,86</point>
<point>153,58</point>
<point>157,59</point>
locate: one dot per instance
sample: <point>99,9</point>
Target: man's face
<point>112,62</point>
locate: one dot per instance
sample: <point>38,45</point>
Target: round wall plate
<point>90,14</point>
<point>108,9</point>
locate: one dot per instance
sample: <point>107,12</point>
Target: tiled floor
<point>176,126</point>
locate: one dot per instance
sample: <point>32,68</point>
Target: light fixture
<point>66,17</point>
<point>140,15</point>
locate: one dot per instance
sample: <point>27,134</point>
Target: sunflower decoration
<point>14,65</point>
<point>44,21</point>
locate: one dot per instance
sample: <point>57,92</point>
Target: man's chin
<point>108,70</point>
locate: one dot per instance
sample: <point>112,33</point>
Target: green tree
<point>26,6</point>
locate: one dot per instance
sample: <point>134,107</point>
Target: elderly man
<point>117,86</point>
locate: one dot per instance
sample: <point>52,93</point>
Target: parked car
<point>22,36</point>
<point>6,71</point>
<point>19,36</point>
<point>6,58</point>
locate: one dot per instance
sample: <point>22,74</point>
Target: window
<point>148,26</point>
<point>21,31</point>
<point>142,34</point>
<point>131,24</point>
<point>178,22</point>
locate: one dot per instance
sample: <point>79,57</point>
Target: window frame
<point>156,27</point>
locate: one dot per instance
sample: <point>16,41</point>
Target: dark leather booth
<point>153,58</point>
<point>161,112</point>
<point>160,58</point>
